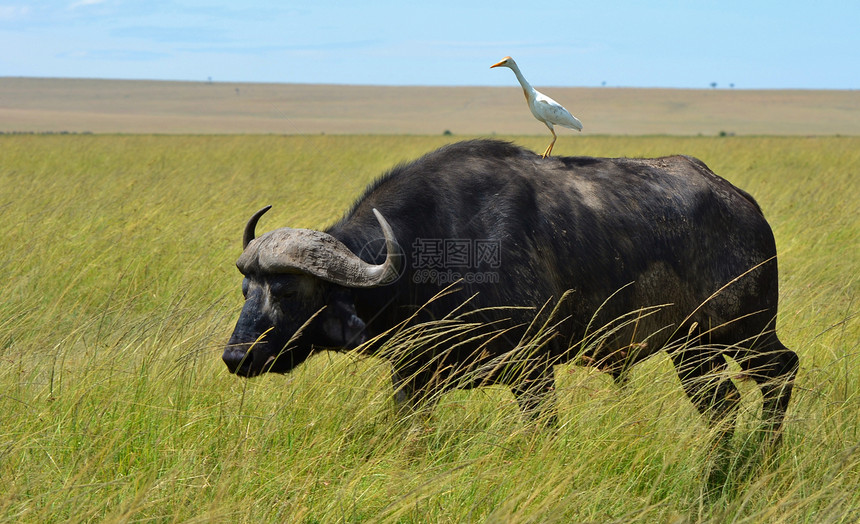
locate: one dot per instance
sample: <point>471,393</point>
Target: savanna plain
<point>120,291</point>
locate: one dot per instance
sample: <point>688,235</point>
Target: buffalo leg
<point>535,395</point>
<point>774,370</point>
<point>413,392</point>
<point>702,374</point>
<point>713,393</point>
<point>402,394</point>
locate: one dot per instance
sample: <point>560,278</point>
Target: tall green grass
<point>120,292</point>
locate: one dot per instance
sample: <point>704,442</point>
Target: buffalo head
<point>298,290</point>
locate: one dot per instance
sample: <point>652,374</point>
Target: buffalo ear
<point>341,325</point>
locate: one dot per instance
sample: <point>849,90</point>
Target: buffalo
<point>598,261</point>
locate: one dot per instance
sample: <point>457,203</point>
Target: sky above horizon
<point>632,43</point>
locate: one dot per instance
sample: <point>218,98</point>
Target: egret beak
<point>498,64</point>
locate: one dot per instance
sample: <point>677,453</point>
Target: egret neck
<point>528,90</point>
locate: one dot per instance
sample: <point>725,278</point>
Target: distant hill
<point>127,106</point>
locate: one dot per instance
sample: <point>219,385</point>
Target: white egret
<point>543,107</point>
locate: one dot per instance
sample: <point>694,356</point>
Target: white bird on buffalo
<point>543,107</point>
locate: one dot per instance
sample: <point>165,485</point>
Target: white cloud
<point>13,12</point>
<point>85,3</point>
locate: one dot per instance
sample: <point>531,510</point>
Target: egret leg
<point>549,147</point>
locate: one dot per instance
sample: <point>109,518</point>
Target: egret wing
<point>547,109</point>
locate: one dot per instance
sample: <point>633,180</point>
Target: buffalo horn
<point>342,266</point>
<point>251,227</point>
<point>317,253</point>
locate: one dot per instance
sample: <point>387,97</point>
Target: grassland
<point>120,291</point>
<point>120,106</point>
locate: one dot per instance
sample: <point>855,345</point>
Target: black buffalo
<point>603,261</point>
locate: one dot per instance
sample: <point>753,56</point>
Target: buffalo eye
<point>281,290</point>
<point>245,286</point>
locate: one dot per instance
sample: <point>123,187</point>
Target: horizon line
<point>212,81</point>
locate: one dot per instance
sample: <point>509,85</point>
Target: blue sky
<point>752,44</point>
